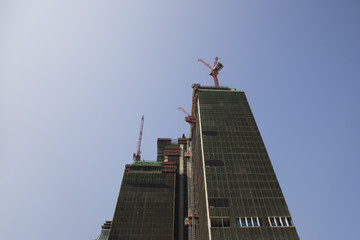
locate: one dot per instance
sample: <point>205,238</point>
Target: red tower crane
<point>190,119</point>
<point>137,155</point>
<point>214,69</point>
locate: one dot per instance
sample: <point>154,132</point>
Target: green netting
<point>147,163</point>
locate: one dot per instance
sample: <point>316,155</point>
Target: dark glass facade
<point>146,204</point>
<point>237,192</point>
<point>152,202</point>
<point>217,184</point>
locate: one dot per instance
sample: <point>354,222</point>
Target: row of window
<point>232,145</point>
<point>242,164</point>
<point>220,222</point>
<point>248,159</point>
<point>235,135</point>
<point>251,222</point>
<point>280,221</point>
<point>248,222</point>
<point>257,150</point>
<point>235,140</point>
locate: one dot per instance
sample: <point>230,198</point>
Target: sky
<point>76,77</point>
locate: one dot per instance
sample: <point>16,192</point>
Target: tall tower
<point>217,184</point>
<point>236,192</point>
<point>152,202</point>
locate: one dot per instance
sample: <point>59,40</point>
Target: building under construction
<point>217,184</point>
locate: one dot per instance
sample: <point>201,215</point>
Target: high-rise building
<point>152,202</point>
<point>236,192</point>
<point>217,184</point>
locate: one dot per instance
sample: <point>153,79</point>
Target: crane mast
<point>138,152</point>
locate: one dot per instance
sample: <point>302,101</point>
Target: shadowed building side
<point>236,189</point>
<point>219,184</point>
<point>146,203</point>
<point>152,201</point>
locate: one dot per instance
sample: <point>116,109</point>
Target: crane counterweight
<point>214,69</point>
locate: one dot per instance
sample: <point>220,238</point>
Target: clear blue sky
<point>76,76</point>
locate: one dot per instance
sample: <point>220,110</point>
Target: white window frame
<point>281,222</point>
<point>273,218</point>
<point>252,220</point>
<point>257,221</point>
<point>290,222</point>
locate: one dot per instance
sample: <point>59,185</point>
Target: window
<point>277,220</point>
<point>280,221</point>
<point>272,222</point>
<point>247,222</point>
<point>220,222</point>
<point>218,202</point>
<point>214,163</point>
<point>209,133</point>
<point>289,221</point>
<point>243,222</point>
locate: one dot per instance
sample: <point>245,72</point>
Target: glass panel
<point>289,221</point>
<point>209,133</point>
<point>272,221</point>
<point>256,224</point>
<point>216,222</point>
<point>283,220</point>
<point>243,222</point>
<point>226,222</point>
<point>249,222</point>
<point>277,221</point>
<point>218,202</point>
<point>214,163</point>
<point>220,222</point>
